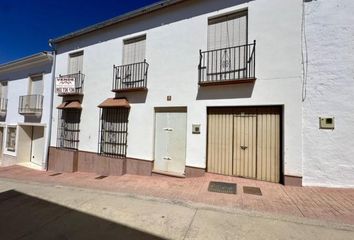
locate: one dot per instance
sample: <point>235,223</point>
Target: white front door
<point>37,149</point>
<point>170,142</point>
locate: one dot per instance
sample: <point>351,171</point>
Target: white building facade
<point>328,93</point>
<point>26,106</point>
<point>183,88</point>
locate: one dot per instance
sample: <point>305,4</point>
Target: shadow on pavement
<point>27,217</point>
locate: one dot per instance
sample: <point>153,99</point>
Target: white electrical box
<point>326,122</point>
<point>196,128</point>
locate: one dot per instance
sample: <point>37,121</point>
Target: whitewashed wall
<point>174,37</point>
<point>18,84</point>
<point>328,154</point>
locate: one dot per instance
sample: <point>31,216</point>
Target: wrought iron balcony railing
<point>130,77</point>
<point>30,104</point>
<point>3,105</point>
<point>228,65</point>
<point>79,84</point>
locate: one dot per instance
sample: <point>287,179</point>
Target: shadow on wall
<point>235,91</point>
<point>28,217</point>
<point>2,117</point>
<point>33,119</point>
<point>25,72</point>
<point>171,14</point>
<point>134,97</point>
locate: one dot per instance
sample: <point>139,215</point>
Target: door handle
<point>166,158</point>
<point>243,147</point>
<point>168,129</point>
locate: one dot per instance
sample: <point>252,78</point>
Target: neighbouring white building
<point>328,93</point>
<point>26,89</point>
<point>183,87</point>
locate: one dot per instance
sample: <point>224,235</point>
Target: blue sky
<point>26,25</point>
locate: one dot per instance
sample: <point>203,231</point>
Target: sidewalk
<point>309,202</point>
<point>34,211</point>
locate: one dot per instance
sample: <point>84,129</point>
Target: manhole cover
<point>100,177</point>
<point>222,187</point>
<point>55,174</point>
<point>252,190</point>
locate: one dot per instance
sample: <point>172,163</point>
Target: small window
<point>11,139</point>
<point>134,50</point>
<point>114,131</point>
<point>36,85</point>
<point>76,62</point>
<point>69,128</point>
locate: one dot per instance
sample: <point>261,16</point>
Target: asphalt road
<point>43,211</point>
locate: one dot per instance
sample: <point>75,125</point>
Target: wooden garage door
<point>244,142</point>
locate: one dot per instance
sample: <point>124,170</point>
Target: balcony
<point>130,77</point>
<point>31,105</point>
<point>75,84</point>
<point>3,106</point>
<point>227,65</point>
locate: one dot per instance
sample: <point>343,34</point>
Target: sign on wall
<point>65,85</point>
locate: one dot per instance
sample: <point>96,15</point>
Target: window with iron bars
<point>68,128</point>
<point>113,132</point>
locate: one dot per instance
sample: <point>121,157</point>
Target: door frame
<point>167,109</point>
<point>2,147</point>
<point>43,150</point>
<point>281,129</point>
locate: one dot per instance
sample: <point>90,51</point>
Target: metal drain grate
<point>222,187</point>
<point>252,190</point>
<point>100,177</point>
<point>55,174</point>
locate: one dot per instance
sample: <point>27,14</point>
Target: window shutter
<point>134,50</point>
<point>3,90</point>
<point>75,62</point>
<point>36,85</point>
<point>227,31</point>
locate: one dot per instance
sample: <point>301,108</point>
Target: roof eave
<point>26,61</point>
<point>115,20</point>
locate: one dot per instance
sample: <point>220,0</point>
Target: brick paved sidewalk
<point>310,202</point>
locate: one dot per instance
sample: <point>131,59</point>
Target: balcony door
<point>3,96</point>
<point>227,31</point>
<point>36,85</point>
<point>3,89</point>
<point>75,62</point>
<point>134,50</point>
<point>227,35</point>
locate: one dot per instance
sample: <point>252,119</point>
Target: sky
<point>27,25</point>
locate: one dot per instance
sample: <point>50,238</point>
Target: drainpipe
<point>51,105</point>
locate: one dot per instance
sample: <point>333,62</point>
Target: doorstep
<point>171,174</point>
<point>30,165</point>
